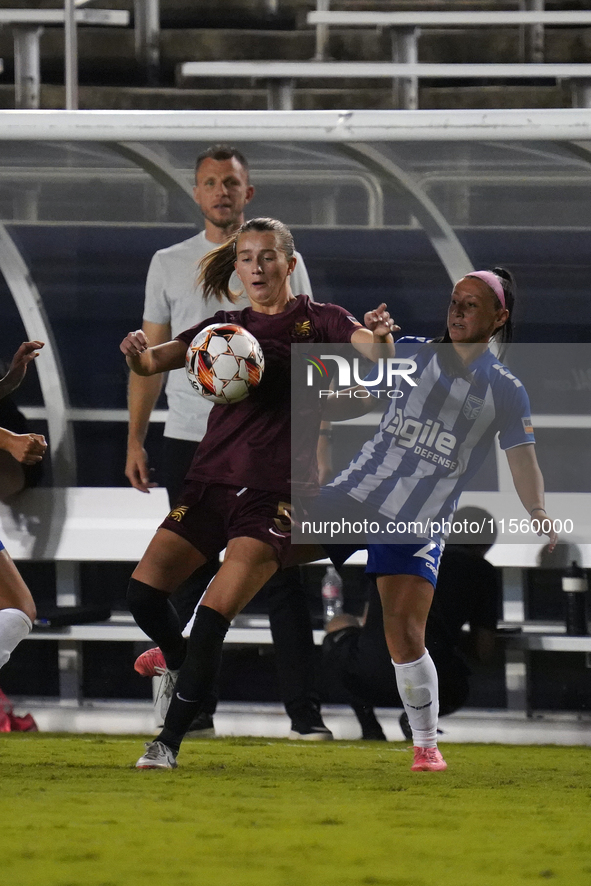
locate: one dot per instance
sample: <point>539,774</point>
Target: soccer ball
<point>224,361</point>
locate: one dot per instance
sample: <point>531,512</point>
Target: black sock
<point>156,616</point>
<point>198,675</point>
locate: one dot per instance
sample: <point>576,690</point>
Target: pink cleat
<point>428,760</point>
<point>150,663</point>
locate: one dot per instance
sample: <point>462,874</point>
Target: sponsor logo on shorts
<point>283,520</point>
<point>178,513</point>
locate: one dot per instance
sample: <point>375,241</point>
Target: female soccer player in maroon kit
<point>236,495</point>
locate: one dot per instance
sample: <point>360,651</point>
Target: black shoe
<point>309,726</point>
<point>370,726</point>
<point>405,726</point>
<point>201,727</point>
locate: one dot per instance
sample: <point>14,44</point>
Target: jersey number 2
<point>424,552</point>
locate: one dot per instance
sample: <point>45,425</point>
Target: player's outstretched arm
<point>378,330</point>
<point>348,403</point>
<point>144,360</point>
<point>529,485</point>
<point>28,351</point>
<point>142,395</point>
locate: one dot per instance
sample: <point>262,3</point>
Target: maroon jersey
<point>249,443</point>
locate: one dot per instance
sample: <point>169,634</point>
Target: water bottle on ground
<point>332,594</point>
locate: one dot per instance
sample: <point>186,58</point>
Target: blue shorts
<point>1,546</point>
<point>416,559</point>
<point>419,559</point>
<point>403,557</point>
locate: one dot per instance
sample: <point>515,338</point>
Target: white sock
<point>14,627</point>
<point>418,689</point>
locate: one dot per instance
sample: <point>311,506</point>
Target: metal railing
<point>405,29</point>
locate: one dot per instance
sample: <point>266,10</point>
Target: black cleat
<point>201,727</point>
<point>309,726</point>
<point>371,729</point>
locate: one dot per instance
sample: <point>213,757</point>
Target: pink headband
<point>491,280</point>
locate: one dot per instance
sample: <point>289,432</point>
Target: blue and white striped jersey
<point>435,436</point>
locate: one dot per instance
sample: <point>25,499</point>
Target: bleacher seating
<point>114,74</point>
<point>280,77</point>
<point>27,26</point>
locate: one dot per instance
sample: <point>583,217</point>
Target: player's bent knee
<point>27,607</point>
<point>139,593</point>
<point>30,610</point>
<point>405,645</point>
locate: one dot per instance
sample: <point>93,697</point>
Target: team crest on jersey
<point>178,513</point>
<point>472,407</point>
<point>302,329</point>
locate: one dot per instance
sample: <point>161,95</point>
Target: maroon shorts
<point>209,515</point>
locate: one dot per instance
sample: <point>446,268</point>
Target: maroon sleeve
<point>339,324</point>
<point>188,335</point>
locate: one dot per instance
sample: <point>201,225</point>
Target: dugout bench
<point>72,525</point>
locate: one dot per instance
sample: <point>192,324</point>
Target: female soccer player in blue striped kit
<point>430,442</point>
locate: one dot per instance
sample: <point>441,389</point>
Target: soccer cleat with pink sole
<point>150,663</point>
<point>428,760</point>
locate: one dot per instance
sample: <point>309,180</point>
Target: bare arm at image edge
<point>142,395</point>
<point>529,485</point>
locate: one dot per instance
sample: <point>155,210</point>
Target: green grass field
<point>254,812</point>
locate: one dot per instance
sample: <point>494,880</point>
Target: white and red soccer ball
<point>224,361</point>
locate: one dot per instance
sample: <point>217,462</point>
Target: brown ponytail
<point>215,270</point>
